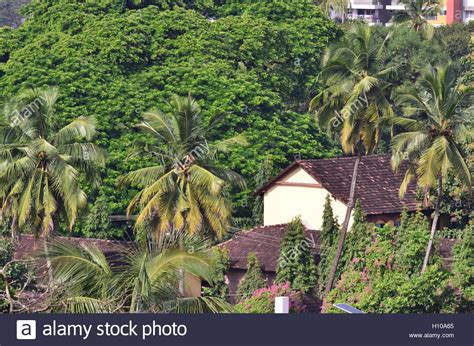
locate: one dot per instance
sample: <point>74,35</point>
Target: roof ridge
<point>80,238</point>
<point>340,158</point>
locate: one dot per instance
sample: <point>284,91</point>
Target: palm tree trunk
<point>14,229</point>
<point>181,274</point>
<point>345,225</point>
<point>46,238</point>
<point>48,260</point>
<point>439,194</point>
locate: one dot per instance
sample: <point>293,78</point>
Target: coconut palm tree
<point>352,103</point>
<point>41,163</point>
<point>143,278</point>
<point>339,8</point>
<point>416,15</point>
<point>183,189</point>
<point>438,121</point>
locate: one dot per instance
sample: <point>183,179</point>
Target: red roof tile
<point>377,185</point>
<point>264,241</point>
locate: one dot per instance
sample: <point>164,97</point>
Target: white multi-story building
<point>381,11</point>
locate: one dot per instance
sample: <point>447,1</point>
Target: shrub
<point>360,235</point>
<point>462,280</point>
<point>252,280</point>
<point>218,286</point>
<point>387,279</point>
<point>296,264</point>
<point>262,300</point>
<point>329,236</point>
<point>412,238</point>
<point>16,273</point>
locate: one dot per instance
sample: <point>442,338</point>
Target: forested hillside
<point>254,63</point>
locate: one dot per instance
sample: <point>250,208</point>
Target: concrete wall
<point>299,194</point>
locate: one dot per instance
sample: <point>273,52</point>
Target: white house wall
<point>299,194</point>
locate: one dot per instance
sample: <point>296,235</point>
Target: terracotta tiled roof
<point>28,245</point>
<point>264,241</point>
<point>377,185</point>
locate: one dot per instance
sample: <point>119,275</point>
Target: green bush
<point>387,278</point>
<point>257,64</point>
<point>329,237</point>
<point>262,300</point>
<point>252,280</point>
<point>296,264</point>
<point>221,263</point>
<point>17,273</point>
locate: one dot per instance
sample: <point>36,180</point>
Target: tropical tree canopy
<point>145,280</point>
<point>41,164</point>
<point>438,120</point>
<point>184,189</point>
<point>416,15</point>
<point>257,62</point>
<point>354,99</point>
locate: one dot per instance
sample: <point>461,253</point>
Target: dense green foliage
<point>387,278</point>
<point>14,276</point>
<point>252,279</point>
<point>357,239</point>
<point>296,263</point>
<point>462,279</point>
<point>262,300</point>
<point>217,281</point>
<point>329,236</point>
<point>457,39</point>
<point>258,66</point>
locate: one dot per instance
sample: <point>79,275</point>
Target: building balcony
<point>366,5</point>
<point>395,6</point>
<point>369,18</point>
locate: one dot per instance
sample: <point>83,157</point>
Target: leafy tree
<point>183,190</point>
<point>296,263</point>
<point>220,266</point>
<point>409,52</point>
<point>252,280</point>
<point>438,119</point>
<point>352,105</point>
<point>264,174</point>
<point>416,15</point>
<point>15,277</point>
<point>412,238</point>
<point>463,272</point>
<point>387,279</point>
<point>42,162</point>
<point>457,39</point>
<point>329,234</point>
<point>97,223</point>
<point>145,282</point>
<point>357,240</point>
<point>257,63</point>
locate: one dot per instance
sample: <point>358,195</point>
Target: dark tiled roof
<point>264,241</point>
<point>377,185</point>
<point>29,245</point>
